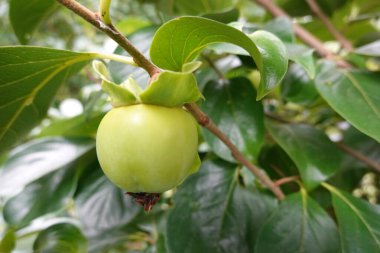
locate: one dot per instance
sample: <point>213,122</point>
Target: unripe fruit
<point>147,148</point>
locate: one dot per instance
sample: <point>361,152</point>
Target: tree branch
<point>206,122</point>
<point>143,62</point>
<point>326,21</point>
<point>303,34</point>
<point>359,156</point>
<point>112,32</point>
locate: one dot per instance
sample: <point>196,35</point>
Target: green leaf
<point>25,16</point>
<point>61,238</point>
<point>172,89</point>
<point>78,126</point>
<point>29,79</point>
<point>297,86</point>
<point>233,109</point>
<point>101,201</point>
<point>198,7</point>
<point>316,157</point>
<point>359,224</point>
<point>37,158</point>
<point>212,213</point>
<point>282,27</point>
<point>8,241</point>
<point>352,94</point>
<point>180,40</point>
<point>45,195</point>
<point>299,224</point>
<point>303,56</point>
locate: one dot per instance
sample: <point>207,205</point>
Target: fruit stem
<point>113,33</point>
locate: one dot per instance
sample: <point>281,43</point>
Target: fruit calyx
<point>145,199</point>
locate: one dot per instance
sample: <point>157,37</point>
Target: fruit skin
<point>147,148</point>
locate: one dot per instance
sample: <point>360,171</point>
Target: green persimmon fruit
<point>147,148</point>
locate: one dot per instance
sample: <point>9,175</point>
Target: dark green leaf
<point>352,94</point>
<point>189,35</point>
<point>297,86</point>
<point>359,223</point>
<point>233,109</point>
<point>29,79</point>
<point>101,205</point>
<point>316,157</point>
<point>299,225</point>
<point>38,158</point>
<point>212,213</point>
<point>25,16</point>
<point>48,194</point>
<point>61,238</point>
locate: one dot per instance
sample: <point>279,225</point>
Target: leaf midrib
<point>356,85</point>
<point>355,210</point>
<point>32,94</point>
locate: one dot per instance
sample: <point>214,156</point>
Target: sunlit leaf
<point>180,40</point>
<point>29,79</point>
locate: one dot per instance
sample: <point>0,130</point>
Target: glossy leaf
<point>359,223</point>
<point>352,94</point>
<point>316,157</point>
<point>172,89</point>
<point>25,16</point>
<point>47,194</point>
<point>189,35</point>
<point>233,109</point>
<point>212,213</point>
<point>29,79</point>
<point>299,224</point>
<point>38,158</point>
<point>102,206</point>
<point>61,238</point>
<point>297,87</point>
